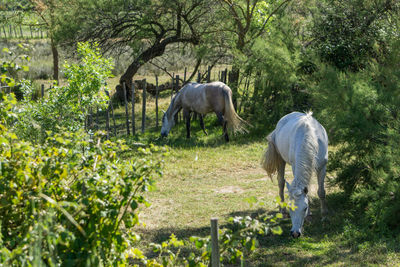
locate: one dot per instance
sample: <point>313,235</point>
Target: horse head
<point>167,123</point>
<point>300,198</point>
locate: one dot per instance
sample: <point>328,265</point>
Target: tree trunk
<point>152,52</point>
<point>55,60</point>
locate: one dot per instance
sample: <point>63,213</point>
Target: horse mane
<point>306,158</point>
<point>173,105</point>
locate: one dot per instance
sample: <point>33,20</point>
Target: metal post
<point>215,258</point>
<point>42,90</point>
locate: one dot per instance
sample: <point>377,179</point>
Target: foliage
<point>13,62</point>
<point>71,200</point>
<point>277,88</point>
<point>67,106</point>
<point>347,34</point>
<point>360,111</point>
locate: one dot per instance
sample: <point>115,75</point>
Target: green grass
<point>205,177</point>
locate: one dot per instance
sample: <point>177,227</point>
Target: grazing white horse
<point>203,98</point>
<point>301,141</point>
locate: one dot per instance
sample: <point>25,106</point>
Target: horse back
<point>296,131</point>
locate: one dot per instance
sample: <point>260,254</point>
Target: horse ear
<point>305,190</point>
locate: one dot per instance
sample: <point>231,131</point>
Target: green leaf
<point>276,230</point>
<point>134,205</point>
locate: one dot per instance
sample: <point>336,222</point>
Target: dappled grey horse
<point>203,98</point>
<point>301,141</point>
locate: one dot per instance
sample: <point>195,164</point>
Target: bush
<point>67,106</point>
<point>70,200</point>
<point>277,86</point>
<point>360,112</point>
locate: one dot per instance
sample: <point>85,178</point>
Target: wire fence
<point>11,31</point>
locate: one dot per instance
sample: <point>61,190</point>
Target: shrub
<point>67,106</point>
<point>70,200</point>
<point>360,112</point>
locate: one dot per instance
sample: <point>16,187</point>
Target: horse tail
<point>271,160</point>
<point>235,123</point>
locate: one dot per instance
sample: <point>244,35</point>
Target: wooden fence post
<point>90,119</point>
<point>42,91</point>
<point>209,74</point>
<point>198,80</point>
<point>215,261</point>
<point>110,107</point>
<point>126,109</point>
<point>133,109</point>
<point>172,85</point>
<point>20,29</point>
<point>108,116</point>
<point>225,75</point>
<point>156,102</point>
<point>144,106</point>
<point>97,118</point>
<point>177,116</point>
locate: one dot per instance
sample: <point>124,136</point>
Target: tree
<point>40,13</point>
<point>146,27</point>
<point>45,10</point>
<point>248,21</point>
<point>347,33</point>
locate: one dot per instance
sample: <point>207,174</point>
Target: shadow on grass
<point>323,243</point>
<point>177,137</point>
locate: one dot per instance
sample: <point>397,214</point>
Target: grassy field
<point>205,177</point>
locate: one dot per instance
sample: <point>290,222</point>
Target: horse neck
<point>305,165</point>
<point>176,104</point>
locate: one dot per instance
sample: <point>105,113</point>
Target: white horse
<point>203,98</point>
<point>301,141</point>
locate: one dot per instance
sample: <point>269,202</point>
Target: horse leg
<point>321,190</point>
<point>202,124</point>
<point>281,184</point>
<point>186,115</point>
<point>223,122</point>
<point>226,131</point>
